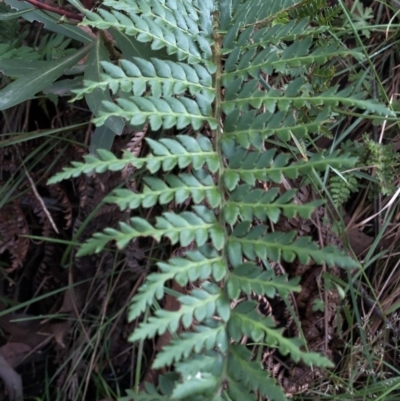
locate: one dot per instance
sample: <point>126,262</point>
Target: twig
<point>38,197</point>
<point>58,10</point>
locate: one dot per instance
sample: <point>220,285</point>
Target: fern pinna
<point>228,76</point>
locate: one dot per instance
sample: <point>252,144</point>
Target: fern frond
<point>216,60</point>
<point>256,242</point>
<point>322,76</point>
<point>185,228</point>
<point>205,338</point>
<point>164,25</point>
<point>198,264</point>
<point>105,161</point>
<point>160,113</point>
<point>252,129</point>
<point>166,155</point>
<point>251,374</point>
<point>252,62</point>
<point>151,290</point>
<point>252,166</point>
<point>201,376</point>
<point>8,51</point>
<point>242,95</point>
<point>150,393</point>
<point>258,12</point>
<point>310,9</point>
<point>258,203</point>
<point>181,14</point>
<point>201,305</point>
<point>199,187</point>
<point>246,321</point>
<point>204,385</point>
<point>341,188</point>
<point>274,35</point>
<point>238,391</point>
<point>385,159</point>
<point>249,278</point>
<point>158,78</point>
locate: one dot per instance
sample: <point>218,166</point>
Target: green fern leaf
<point>144,396</point>
<point>161,78</point>
<point>257,11</point>
<point>251,374</point>
<point>202,304</point>
<point>197,264</point>
<point>242,95</point>
<point>205,338</point>
<point>166,155</point>
<point>200,187</point>
<point>251,203</point>
<point>239,73</point>
<point>268,35</point>
<point>184,228</point>
<point>182,152</point>
<point>167,113</point>
<point>105,161</point>
<point>257,243</point>
<point>164,25</point>
<point>341,188</point>
<point>263,166</point>
<point>152,289</point>
<point>270,59</point>
<point>252,129</point>
<point>249,278</point>
<point>247,321</point>
<point>204,384</point>
<point>200,370</point>
<point>237,391</point>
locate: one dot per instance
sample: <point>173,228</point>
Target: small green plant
<point>379,159</point>
<point>385,161</point>
<point>341,187</point>
<point>361,18</point>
